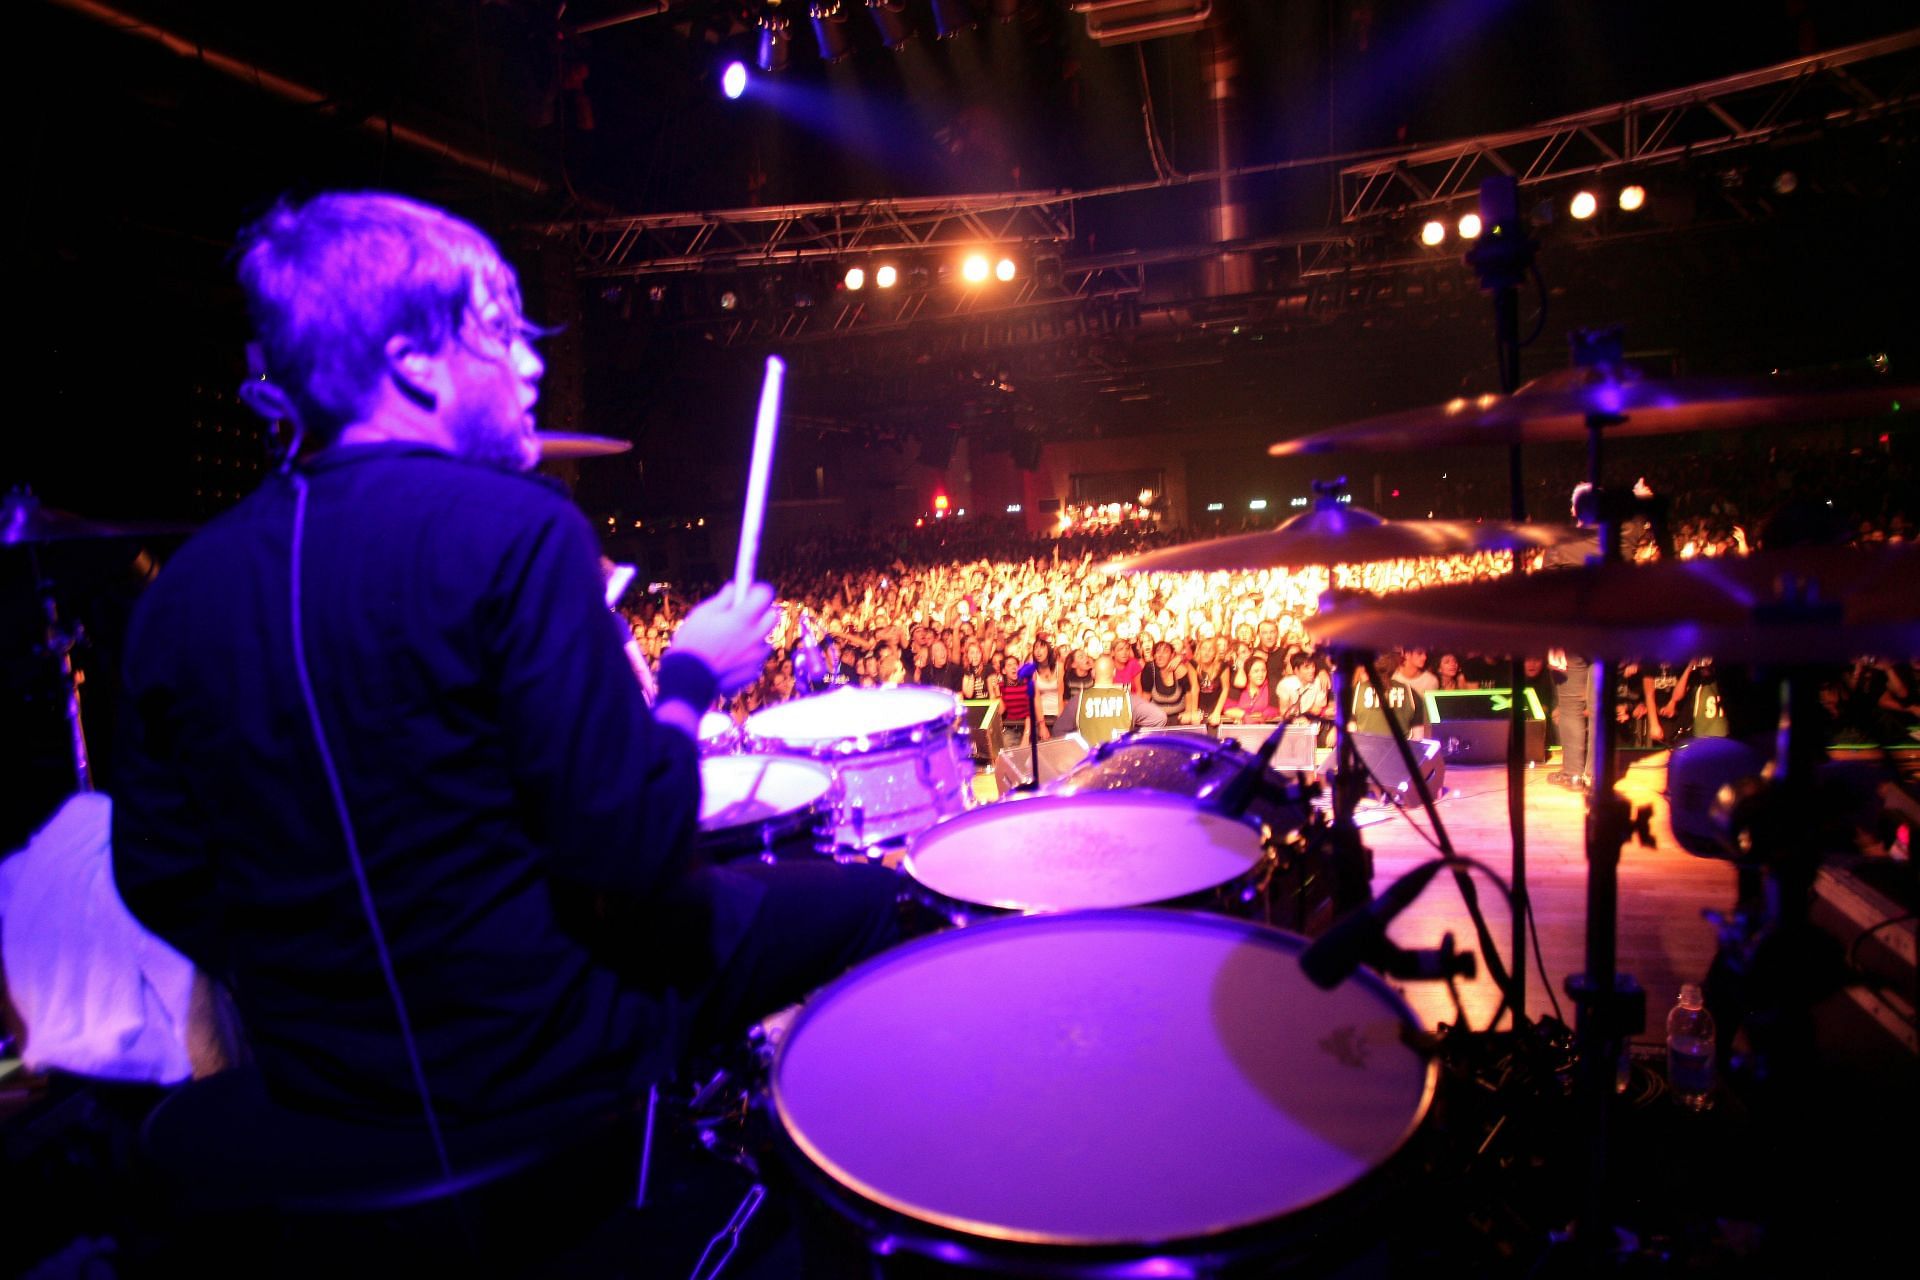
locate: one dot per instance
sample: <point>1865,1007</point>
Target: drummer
<point>378,725</point>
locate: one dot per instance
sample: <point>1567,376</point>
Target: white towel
<point>100,996</point>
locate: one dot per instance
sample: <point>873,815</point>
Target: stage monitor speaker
<point>983,725</point>
<point>1295,753</point>
<point>1471,725</point>
<point>1389,772</point>
<point>1014,766</point>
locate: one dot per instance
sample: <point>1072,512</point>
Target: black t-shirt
<point>492,746</point>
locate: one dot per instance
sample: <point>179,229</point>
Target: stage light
<point>1216,506</point>
<point>776,44</point>
<point>856,278</point>
<point>733,81</point>
<point>1005,270</point>
<point>940,502</point>
<point>729,300</point>
<point>1786,182</point>
<point>830,31</point>
<point>1584,205</point>
<point>950,18</point>
<point>890,17</point>
<point>975,269</point>
<point>1632,197</point>
<point>1469,226</point>
<point>886,277</point>
<point>1433,233</point>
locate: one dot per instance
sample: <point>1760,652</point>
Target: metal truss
<point>1032,310</point>
<point>654,244</point>
<point>1846,86</point>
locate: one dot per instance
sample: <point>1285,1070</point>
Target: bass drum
<point>1104,1093</point>
<point>1299,893</point>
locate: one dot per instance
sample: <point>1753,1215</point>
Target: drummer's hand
<point>730,638</point>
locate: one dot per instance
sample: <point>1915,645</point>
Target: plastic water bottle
<point>1690,1046</point>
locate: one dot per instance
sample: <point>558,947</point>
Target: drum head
<point>847,716</point>
<point>1113,1078</point>
<point>1068,853</point>
<point>746,791</point>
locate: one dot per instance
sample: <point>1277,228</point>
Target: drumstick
<point>765,423</point>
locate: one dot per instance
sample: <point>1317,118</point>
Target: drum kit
<point>1119,1067</point>
<point>1077,1085</point>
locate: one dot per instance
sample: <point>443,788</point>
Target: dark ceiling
<point>140,160</point>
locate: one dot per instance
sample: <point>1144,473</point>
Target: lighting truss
<point>776,235</point>
<point>1846,86</point>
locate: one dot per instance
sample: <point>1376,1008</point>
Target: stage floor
<point>1663,940</point>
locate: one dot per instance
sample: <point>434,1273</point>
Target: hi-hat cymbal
<point>1334,534</point>
<point>566,444</point>
<point>1554,409</point>
<point>1804,605</point>
<point>24,520</point>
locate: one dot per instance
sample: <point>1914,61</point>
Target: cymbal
<point>24,520</point>
<point>1554,410</point>
<point>1332,534</point>
<point>565,444</point>
<point>1815,604</point>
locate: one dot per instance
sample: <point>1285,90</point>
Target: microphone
<point>1363,931</point>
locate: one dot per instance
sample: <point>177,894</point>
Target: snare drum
<point>1070,853</point>
<point>901,756</point>
<point>1069,1094</point>
<point>767,807</point>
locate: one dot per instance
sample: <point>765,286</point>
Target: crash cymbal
<point>24,520</point>
<point>1338,534</point>
<point>1554,409</point>
<point>564,444</point>
<point>1804,605</point>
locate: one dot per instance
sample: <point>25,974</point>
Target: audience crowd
<point>967,604</point>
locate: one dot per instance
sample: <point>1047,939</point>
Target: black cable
<point>1496,967</point>
<point>1540,324</point>
<point>1540,962</point>
<point>1853,948</point>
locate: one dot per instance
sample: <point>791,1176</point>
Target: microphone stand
<point>1503,258</point>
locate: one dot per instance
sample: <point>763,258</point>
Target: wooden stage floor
<point>1663,939</point>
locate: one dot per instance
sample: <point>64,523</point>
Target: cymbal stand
<point>58,641</point>
<point>1610,1005</point>
<point>1352,860</point>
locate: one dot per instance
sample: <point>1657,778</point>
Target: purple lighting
<point>733,81</point>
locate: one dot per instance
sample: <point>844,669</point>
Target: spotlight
<point>856,279</point>
<point>890,16</point>
<point>950,18</point>
<point>975,269</point>
<point>1584,205</point>
<point>886,277</point>
<point>733,81</point>
<point>1433,233</point>
<point>1786,182</point>
<point>1469,226</point>
<point>1005,270</point>
<point>729,300</point>
<point>776,43</point>
<point>830,31</point>
<point>1632,197</point>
